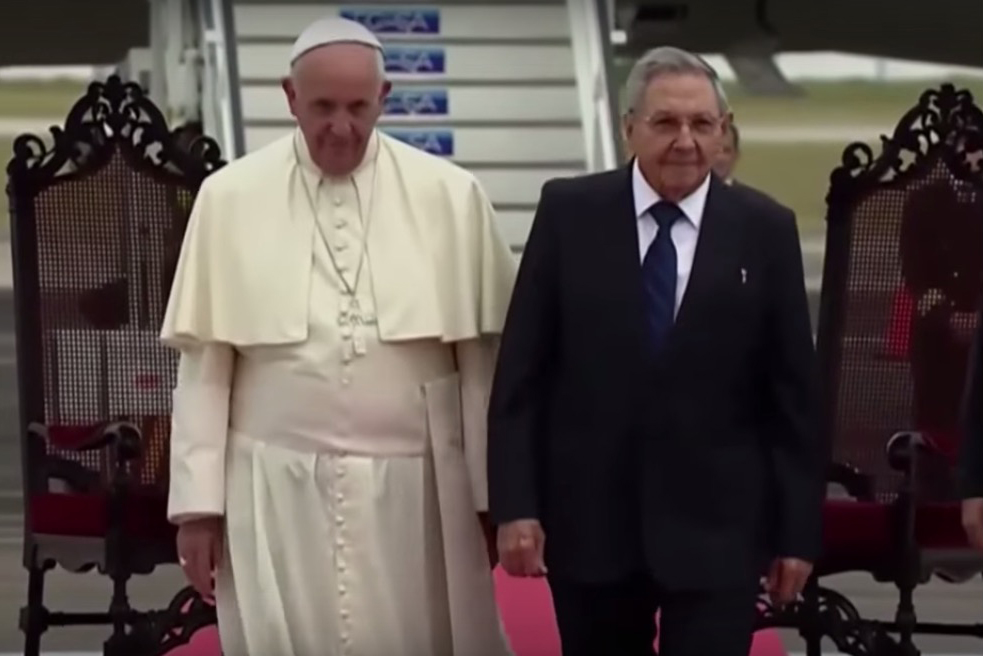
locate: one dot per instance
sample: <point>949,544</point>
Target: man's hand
<point>786,579</point>
<point>973,521</point>
<point>520,547</point>
<point>199,548</point>
<point>488,530</point>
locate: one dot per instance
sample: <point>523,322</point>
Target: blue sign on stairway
<point>422,61</point>
<point>418,102</point>
<point>435,142</point>
<point>395,20</point>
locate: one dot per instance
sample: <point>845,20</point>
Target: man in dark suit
<point>652,426</point>
<point>730,152</point>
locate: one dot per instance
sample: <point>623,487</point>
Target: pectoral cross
<point>351,315</point>
<point>352,318</point>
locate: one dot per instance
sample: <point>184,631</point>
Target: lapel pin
<point>743,276</point>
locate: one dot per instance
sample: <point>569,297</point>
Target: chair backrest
<point>98,214</point>
<point>901,284</point>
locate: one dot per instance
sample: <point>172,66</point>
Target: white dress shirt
<point>684,232</point>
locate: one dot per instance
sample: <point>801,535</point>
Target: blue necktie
<point>659,274</point>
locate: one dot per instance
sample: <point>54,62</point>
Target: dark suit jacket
<point>697,464</point>
<point>971,453</point>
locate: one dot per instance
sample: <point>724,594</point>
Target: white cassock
<point>344,446</point>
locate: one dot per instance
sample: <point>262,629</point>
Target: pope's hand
<point>520,548</point>
<point>199,549</point>
<point>973,521</point>
<point>786,579</point>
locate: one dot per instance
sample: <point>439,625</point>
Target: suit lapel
<point>621,259</point>
<point>626,223</point>
<point>717,252</point>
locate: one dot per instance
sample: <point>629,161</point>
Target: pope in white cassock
<point>336,305</point>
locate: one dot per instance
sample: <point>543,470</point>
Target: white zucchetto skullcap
<point>328,31</point>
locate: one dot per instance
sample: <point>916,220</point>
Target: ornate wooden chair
<point>902,284</point>
<point>97,220</point>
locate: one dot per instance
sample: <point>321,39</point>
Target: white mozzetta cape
<point>439,268</point>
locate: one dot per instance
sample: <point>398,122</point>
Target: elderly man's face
<point>676,133</point>
<point>337,94</point>
<point>727,157</point>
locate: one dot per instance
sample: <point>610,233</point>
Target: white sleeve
<point>199,430</point>
<point>476,366</point>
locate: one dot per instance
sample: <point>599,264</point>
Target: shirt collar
<point>645,197</point>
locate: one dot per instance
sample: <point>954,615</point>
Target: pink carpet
<point>527,611</point>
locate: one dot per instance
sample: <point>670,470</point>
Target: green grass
<point>830,103</point>
<point>796,175</point>
<point>39,99</point>
<point>6,151</point>
<point>49,100</point>
<point>838,103</point>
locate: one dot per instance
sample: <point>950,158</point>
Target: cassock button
<point>341,224</point>
<point>340,520</point>
<point>337,202</point>
<point>340,246</point>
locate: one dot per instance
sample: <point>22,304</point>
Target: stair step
<point>438,103</point>
<point>500,22</point>
<point>514,226</point>
<point>519,187</point>
<point>544,146</point>
<point>490,86</point>
<point>449,64</point>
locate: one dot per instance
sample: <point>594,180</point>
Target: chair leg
<point>33,617</point>
<point>906,620</point>
<point>811,631</point>
<point>121,642</point>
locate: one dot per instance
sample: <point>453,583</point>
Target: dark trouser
<point>619,620</point>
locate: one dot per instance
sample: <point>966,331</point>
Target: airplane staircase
<point>513,91</point>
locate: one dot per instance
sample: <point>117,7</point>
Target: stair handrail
<point>221,100</point>
<point>174,62</point>
<point>590,28</point>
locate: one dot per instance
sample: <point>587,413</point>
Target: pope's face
<point>337,93</point>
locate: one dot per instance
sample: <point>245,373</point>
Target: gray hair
<point>667,60</point>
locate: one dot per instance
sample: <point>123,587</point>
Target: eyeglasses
<point>670,126</point>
